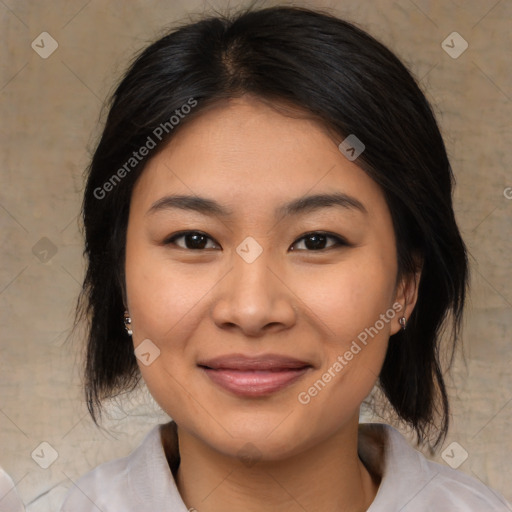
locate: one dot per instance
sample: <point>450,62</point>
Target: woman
<point>270,233</point>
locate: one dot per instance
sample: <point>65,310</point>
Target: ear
<point>406,295</point>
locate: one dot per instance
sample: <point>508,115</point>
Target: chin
<point>259,436</point>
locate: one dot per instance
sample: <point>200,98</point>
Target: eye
<point>316,241</point>
<point>194,240</point>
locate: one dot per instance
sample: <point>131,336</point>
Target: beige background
<point>49,111</point>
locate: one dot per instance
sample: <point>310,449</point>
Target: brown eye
<point>317,241</point>
<point>194,240</point>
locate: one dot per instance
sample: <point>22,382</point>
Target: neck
<point>328,477</point>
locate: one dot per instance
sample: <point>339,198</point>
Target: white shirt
<point>9,499</point>
<point>143,481</point>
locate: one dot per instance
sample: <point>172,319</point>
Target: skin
<point>304,302</point>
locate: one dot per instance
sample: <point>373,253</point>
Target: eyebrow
<point>297,206</point>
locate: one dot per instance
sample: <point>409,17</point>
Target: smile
<point>254,377</point>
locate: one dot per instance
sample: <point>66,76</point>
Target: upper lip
<point>263,362</point>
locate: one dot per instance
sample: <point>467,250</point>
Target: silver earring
<point>128,323</point>
<point>403,322</point>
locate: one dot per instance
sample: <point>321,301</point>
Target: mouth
<point>254,376</point>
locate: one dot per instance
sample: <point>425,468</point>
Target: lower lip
<point>254,383</point>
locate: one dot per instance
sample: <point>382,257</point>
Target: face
<point>262,310</point>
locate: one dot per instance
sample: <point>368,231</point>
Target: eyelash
<point>340,241</point>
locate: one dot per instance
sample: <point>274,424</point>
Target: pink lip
<point>254,376</point>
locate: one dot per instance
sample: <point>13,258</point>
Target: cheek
<point>350,297</point>
<point>160,310</point>
<point>350,304</point>
<point>166,303</point>
<point>163,297</point>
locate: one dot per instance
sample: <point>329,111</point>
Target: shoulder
<point>9,498</point>
<point>132,483</point>
<point>411,482</point>
<point>90,492</point>
<point>447,486</point>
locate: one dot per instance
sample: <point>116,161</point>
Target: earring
<point>127,323</point>
<point>403,322</point>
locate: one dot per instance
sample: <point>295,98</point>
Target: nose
<point>254,298</point>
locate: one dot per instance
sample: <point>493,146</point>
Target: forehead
<point>247,152</point>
